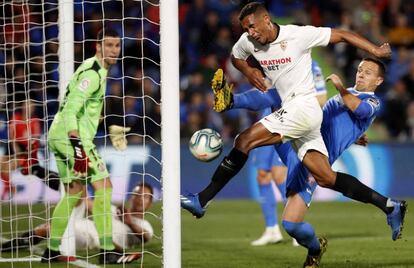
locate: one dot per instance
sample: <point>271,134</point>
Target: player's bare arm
<point>140,232</point>
<point>351,101</point>
<point>254,75</point>
<point>383,51</point>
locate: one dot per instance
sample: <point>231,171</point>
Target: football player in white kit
<point>130,228</point>
<point>284,53</point>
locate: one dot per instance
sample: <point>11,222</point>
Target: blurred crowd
<point>208,30</point>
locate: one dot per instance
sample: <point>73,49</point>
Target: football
<point>206,144</point>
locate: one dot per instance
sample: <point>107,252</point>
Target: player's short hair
<point>145,185</point>
<point>381,66</point>
<point>105,32</point>
<point>251,8</point>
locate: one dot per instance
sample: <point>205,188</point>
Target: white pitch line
<point>28,259</point>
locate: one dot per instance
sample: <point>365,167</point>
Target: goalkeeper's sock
<point>227,169</point>
<point>351,187</point>
<point>268,204</point>
<point>102,216</point>
<point>304,234</point>
<point>60,218</point>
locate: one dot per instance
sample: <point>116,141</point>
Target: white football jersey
<point>286,61</point>
<point>87,236</point>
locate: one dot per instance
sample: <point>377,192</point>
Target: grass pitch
<point>358,236</point>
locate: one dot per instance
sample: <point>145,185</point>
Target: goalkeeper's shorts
<point>64,160</point>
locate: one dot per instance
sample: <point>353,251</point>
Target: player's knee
<point>244,142</point>
<point>73,187</point>
<point>263,177</point>
<point>325,179</point>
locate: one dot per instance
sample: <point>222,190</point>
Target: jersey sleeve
<point>367,108</point>
<point>78,93</point>
<point>311,36</point>
<point>241,48</point>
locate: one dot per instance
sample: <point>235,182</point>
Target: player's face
<point>259,27</point>
<point>367,76</point>
<point>110,49</point>
<point>141,199</point>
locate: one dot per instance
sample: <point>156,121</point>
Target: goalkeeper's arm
<point>117,136</point>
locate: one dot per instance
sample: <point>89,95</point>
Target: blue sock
<point>282,189</point>
<point>256,100</point>
<point>268,204</point>
<point>305,235</point>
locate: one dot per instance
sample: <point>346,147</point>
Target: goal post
<point>66,69</point>
<point>66,44</point>
<point>170,133</point>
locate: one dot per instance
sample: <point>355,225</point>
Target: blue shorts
<point>265,158</point>
<point>298,176</point>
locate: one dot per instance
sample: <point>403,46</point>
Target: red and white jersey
<point>286,61</point>
<point>24,131</point>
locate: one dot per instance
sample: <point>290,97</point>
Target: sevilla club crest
<point>283,45</point>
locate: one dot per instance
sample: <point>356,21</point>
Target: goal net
<point>38,55</point>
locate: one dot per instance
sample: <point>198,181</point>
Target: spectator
<point>396,104</point>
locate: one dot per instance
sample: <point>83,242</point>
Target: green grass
<point>358,237</point>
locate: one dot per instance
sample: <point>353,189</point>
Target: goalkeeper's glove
<point>117,135</point>
<point>80,167</point>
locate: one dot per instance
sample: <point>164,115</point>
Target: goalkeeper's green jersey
<point>82,105</point>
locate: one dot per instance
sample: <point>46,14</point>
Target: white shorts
<point>298,120</point>
<point>87,236</point>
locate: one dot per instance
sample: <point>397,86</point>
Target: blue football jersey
<point>341,127</point>
<point>318,79</point>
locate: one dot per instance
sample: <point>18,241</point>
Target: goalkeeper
<point>71,138</point>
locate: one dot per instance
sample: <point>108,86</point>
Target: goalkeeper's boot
<point>51,255</point>
<point>314,261</point>
<point>113,257</point>
<point>223,96</point>
<point>396,218</point>
<point>191,203</point>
